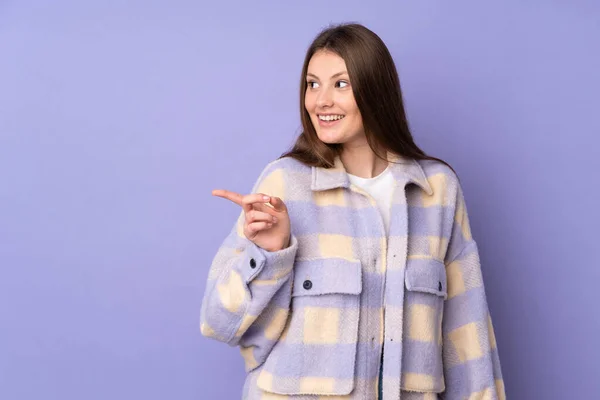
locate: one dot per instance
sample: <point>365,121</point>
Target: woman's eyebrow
<point>332,76</point>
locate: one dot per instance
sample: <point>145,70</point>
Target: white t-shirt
<point>380,187</point>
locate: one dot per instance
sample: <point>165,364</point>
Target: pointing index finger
<point>229,195</point>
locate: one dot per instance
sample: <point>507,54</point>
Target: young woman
<point>351,272</point>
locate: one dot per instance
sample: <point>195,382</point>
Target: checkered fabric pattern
<point>311,320</point>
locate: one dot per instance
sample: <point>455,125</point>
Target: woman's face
<point>329,101</point>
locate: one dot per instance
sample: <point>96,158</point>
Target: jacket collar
<point>403,169</point>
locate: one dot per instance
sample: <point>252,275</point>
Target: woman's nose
<point>325,99</point>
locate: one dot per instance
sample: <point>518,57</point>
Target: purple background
<point>117,120</point>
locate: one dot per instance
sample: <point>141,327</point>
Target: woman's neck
<point>361,161</point>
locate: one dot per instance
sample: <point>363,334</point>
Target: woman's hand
<point>267,223</point>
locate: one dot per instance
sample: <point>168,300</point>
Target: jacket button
<point>307,284</point>
<point>252,263</point>
<point>440,286</point>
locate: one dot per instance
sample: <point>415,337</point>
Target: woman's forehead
<point>325,64</point>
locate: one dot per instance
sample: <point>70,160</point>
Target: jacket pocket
<point>426,291</point>
<point>317,351</point>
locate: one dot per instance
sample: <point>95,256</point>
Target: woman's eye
<point>312,84</point>
<point>342,84</point>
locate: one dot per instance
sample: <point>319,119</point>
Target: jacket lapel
<point>403,168</point>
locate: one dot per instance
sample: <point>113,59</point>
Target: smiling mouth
<point>329,118</point>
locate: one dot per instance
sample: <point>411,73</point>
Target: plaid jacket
<point>311,319</point>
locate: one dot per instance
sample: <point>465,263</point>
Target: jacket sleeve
<point>248,290</point>
<point>470,353</point>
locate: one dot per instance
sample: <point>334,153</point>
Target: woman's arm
<point>470,353</point>
<point>248,291</point>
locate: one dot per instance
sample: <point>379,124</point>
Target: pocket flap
<point>426,275</point>
<point>327,276</point>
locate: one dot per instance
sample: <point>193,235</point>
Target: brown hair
<point>376,88</point>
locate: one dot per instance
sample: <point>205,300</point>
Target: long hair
<point>376,88</point>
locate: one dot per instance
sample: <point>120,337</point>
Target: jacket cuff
<point>269,264</point>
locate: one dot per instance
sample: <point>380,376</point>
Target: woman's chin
<point>329,139</point>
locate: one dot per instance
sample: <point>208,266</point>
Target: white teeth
<point>330,117</point>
